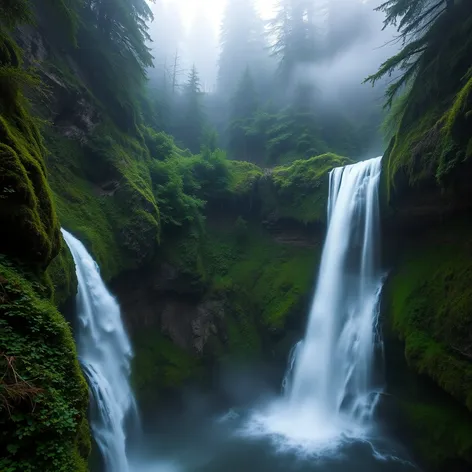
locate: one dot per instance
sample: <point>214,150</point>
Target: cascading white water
<point>105,353</point>
<point>328,387</point>
<point>333,367</point>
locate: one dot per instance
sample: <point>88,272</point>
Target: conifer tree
<point>193,118</point>
<point>414,20</point>
<point>244,107</point>
<point>242,44</point>
<point>293,30</point>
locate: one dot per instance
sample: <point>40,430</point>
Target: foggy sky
<point>359,45</point>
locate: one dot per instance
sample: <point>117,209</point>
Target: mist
<point>266,52</point>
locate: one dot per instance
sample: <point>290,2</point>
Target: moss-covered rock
<point>300,190</point>
<point>43,395</point>
<point>31,229</point>
<point>429,302</point>
<point>436,428</point>
<point>431,307</point>
<point>62,276</point>
<point>432,146</point>
<point>103,194</point>
<point>229,293</point>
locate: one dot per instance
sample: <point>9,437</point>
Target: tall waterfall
<point>332,372</point>
<point>329,391</point>
<point>105,352</point>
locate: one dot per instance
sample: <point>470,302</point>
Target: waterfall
<point>332,372</point>
<point>105,353</point>
<point>329,392</point>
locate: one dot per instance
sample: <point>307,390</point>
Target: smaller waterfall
<point>105,353</point>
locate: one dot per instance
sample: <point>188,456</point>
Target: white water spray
<point>105,353</point>
<point>329,388</point>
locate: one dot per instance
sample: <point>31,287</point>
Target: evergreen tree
<point>202,49</point>
<point>111,50</point>
<point>293,31</point>
<point>242,44</point>
<point>414,20</point>
<point>192,122</point>
<point>242,139</point>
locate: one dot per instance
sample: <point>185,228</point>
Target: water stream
<point>329,389</point>
<point>322,422</point>
<point>104,353</point>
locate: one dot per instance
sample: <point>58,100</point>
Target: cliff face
<point>244,303</point>
<point>427,234</point>
<point>43,395</point>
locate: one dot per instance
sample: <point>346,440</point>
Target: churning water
<point>104,352</point>
<point>329,392</point>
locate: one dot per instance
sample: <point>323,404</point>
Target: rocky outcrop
<point>160,301</point>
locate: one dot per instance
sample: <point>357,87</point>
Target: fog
<point>356,43</point>
<point>325,47</point>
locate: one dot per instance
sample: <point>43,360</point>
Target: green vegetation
<point>43,396</point>
<point>253,286</point>
<point>431,143</point>
<point>301,189</point>
<point>159,364</point>
<point>31,227</point>
<point>247,261</point>
<point>427,169</point>
<point>430,302</point>
<point>61,276</point>
<point>103,193</point>
<point>270,99</point>
<point>450,433</point>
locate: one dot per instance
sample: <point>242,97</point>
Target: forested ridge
<point>200,187</point>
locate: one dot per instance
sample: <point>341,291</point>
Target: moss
<point>44,396</point>
<point>107,203</point>
<point>26,208</point>
<point>436,427</point>
<point>443,432</point>
<point>274,276</point>
<point>262,284</point>
<point>300,191</point>
<point>243,176</point>
<point>430,309</point>
<point>61,273</point>
<point>432,306</point>
<point>159,364</point>
<point>431,142</point>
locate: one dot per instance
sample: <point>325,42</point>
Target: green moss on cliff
<point>26,209</point>
<point>442,432</point>
<point>159,364</point>
<point>43,396</point>
<point>243,176</point>
<point>104,195</point>
<point>61,273</point>
<point>430,307</point>
<point>432,141</point>
<point>273,275</point>
<point>300,191</point>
